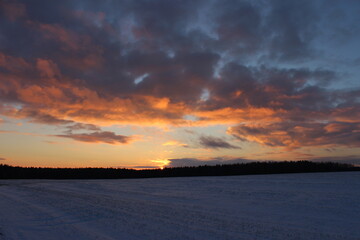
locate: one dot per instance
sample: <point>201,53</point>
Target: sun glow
<point>161,162</point>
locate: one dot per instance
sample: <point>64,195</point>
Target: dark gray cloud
<point>98,137</point>
<point>215,143</point>
<point>38,117</point>
<point>83,126</point>
<point>292,26</point>
<point>273,88</point>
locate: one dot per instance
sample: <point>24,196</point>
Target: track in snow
<point>288,206</point>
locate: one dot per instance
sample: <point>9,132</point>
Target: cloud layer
<point>190,63</point>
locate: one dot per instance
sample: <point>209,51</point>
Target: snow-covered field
<point>289,206</point>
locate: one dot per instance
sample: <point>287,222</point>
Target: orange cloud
<point>13,64</point>
<point>13,10</point>
<point>230,115</point>
<point>47,68</point>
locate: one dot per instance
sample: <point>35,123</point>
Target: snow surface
<point>286,206</point>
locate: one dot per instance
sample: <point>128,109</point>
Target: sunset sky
<point>169,83</point>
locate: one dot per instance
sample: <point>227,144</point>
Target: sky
<point>157,83</point>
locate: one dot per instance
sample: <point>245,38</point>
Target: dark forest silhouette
<point>11,172</point>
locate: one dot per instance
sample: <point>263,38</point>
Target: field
<point>282,206</point>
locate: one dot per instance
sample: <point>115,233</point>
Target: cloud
<point>174,143</point>
<point>193,162</point>
<point>145,167</point>
<point>294,28</point>
<point>215,143</point>
<point>259,63</point>
<point>13,10</point>
<point>291,134</point>
<point>83,126</point>
<point>2,159</point>
<point>46,118</point>
<point>99,137</point>
<point>50,142</point>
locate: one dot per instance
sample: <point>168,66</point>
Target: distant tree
<point>10,172</point>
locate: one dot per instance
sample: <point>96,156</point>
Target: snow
<point>285,206</point>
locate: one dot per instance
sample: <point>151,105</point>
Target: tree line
<point>12,172</point>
